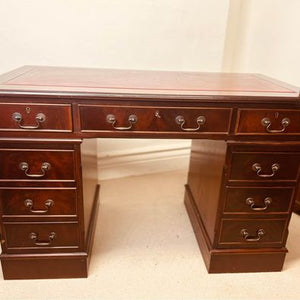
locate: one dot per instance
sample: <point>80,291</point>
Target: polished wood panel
<point>58,118</point>
<point>242,166</point>
<point>61,164</point>
<point>217,120</point>
<point>250,121</point>
<point>231,235</point>
<point>280,199</point>
<point>15,203</point>
<point>18,236</point>
<point>44,266</point>
<point>205,178</point>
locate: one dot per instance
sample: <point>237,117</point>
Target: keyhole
<point>276,115</point>
<point>27,109</point>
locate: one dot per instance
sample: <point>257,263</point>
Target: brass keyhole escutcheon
<point>27,109</point>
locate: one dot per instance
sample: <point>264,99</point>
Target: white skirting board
<point>131,157</point>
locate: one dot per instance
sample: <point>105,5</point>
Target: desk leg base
<point>44,266</point>
<point>231,260</point>
<point>54,265</point>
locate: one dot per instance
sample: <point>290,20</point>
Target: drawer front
<point>113,118</point>
<point>35,117</point>
<point>264,166</point>
<point>38,202</point>
<point>41,235</point>
<point>268,121</point>
<point>41,164</point>
<point>253,233</point>
<point>258,200</point>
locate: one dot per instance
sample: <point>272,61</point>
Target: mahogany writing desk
<point>244,167</point>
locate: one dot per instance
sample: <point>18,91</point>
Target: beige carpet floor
<point>145,249</point>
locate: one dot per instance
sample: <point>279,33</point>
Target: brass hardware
<point>266,122</point>
<point>256,167</point>
<point>132,119</point>
<point>39,118</point>
<point>25,167</point>
<point>259,234</point>
<point>29,204</point>
<point>251,203</point>
<point>181,121</point>
<point>28,109</point>
<point>34,236</point>
<point>157,114</point>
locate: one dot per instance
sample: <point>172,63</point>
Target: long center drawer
<point>158,119</point>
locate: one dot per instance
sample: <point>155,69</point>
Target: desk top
<point>99,82</point>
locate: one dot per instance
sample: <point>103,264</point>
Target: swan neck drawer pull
<point>247,237</point>
<point>39,118</point>
<point>34,236</point>
<point>266,122</point>
<point>132,119</point>
<point>251,203</point>
<point>44,168</point>
<point>29,204</point>
<point>256,167</point>
<point>181,121</point>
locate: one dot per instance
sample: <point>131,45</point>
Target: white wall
<point>268,40</point>
<point>134,34</point>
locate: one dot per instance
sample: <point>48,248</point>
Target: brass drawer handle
<point>132,119</point>
<point>256,167</point>
<point>25,167</point>
<point>181,121</point>
<point>266,122</point>
<point>34,236</point>
<point>29,204</point>
<point>251,203</point>
<point>39,118</point>
<point>247,237</point>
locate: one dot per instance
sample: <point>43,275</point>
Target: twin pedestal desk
<point>244,167</point>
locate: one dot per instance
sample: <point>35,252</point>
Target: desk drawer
<point>247,233</point>
<point>22,202</point>
<point>266,166</point>
<point>268,121</point>
<point>115,118</point>
<point>39,164</point>
<point>41,235</point>
<point>258,200</point>
<point>35,117</point>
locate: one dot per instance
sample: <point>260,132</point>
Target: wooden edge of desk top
<point>92,82</point>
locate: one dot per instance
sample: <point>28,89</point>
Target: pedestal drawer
<point>22,202</point>
<point>268,121</point>
<point>39,164</point>
<point>36,236</point>
<point>264,166</point>
<point>248,233</point>
<point>35,117</point>
<point>257,200</point>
